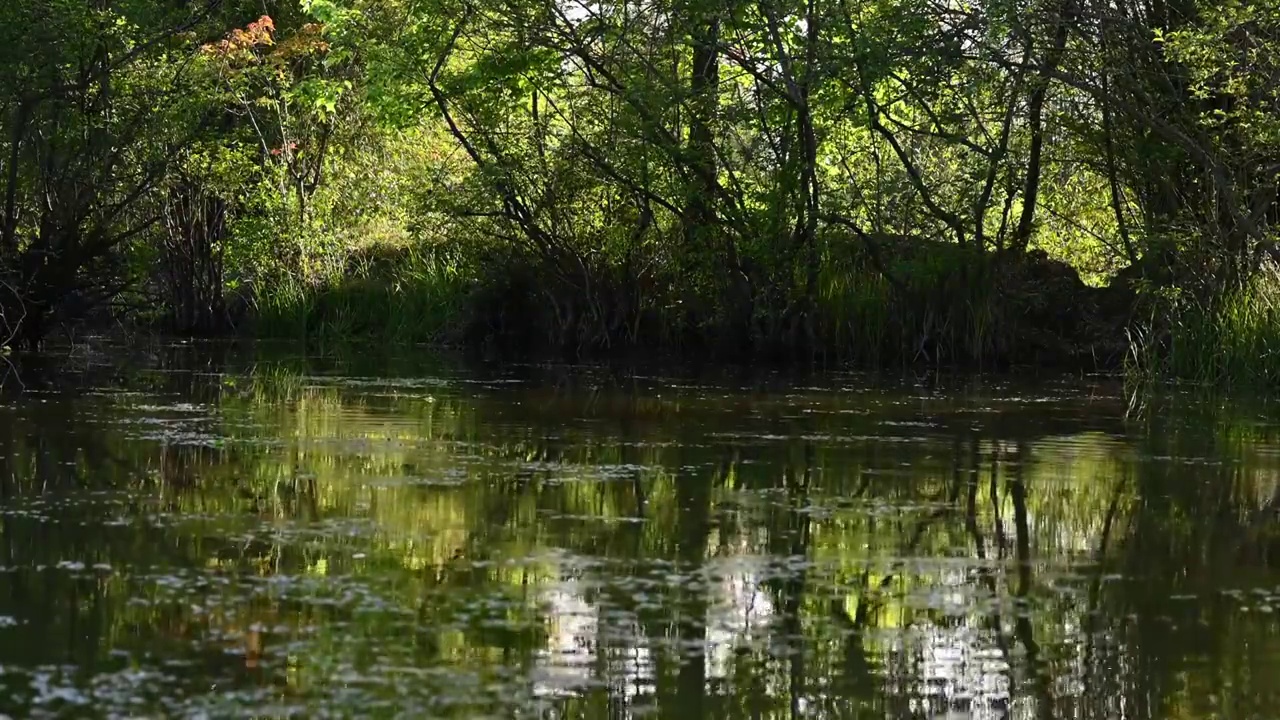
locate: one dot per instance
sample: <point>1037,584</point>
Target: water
<point>203,533</point>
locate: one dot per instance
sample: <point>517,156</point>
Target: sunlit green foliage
<point>882,181</point>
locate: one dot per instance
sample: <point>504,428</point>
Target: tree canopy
<point>877,180</point>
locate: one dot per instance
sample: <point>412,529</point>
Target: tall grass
<point>399,297</point>
<point>1233,342</point>
<point>934,315</point>
<point>942,309</point>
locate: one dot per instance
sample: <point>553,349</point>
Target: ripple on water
<point>329,544</point>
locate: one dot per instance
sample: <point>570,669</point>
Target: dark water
<point>259,537</point>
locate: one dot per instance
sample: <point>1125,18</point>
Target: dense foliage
<point>870,180</point>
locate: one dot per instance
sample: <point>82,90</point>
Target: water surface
<point>203,533</point>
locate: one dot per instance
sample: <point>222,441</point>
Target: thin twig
<point>15,328</point>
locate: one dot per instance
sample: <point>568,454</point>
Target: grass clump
<point>387,294</point>
<point>1230,340</point>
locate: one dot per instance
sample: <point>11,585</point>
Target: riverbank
<point>927,306</point>
<point>924,306</point>
<point>933,308</point>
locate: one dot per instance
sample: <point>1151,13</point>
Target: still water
<point>200,532</point>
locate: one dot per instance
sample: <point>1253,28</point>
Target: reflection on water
<point>272,537</point>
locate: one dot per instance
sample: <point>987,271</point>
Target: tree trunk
<point>704,81</point>
<point>1066,13</point>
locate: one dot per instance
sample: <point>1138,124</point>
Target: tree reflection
<point>302,542</point>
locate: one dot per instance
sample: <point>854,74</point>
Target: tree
<point>90,123</point>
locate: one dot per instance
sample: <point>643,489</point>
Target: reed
<point>409,298</point>
<point>1232,342</point>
